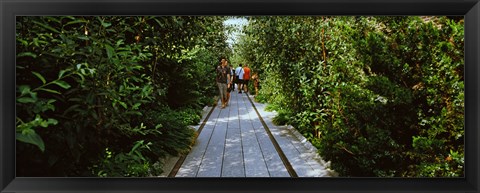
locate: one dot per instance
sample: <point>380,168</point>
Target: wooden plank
<point>255,165</point>
<point>301,167</point>
<point>234,143</point>
<point>300,163</point>
<point>193,160</point>
<point>233,164</point>
<point>212,161</point>
<point>274,163</point>
<point>233,120</point>
<point>317,168</point>
<point>275,166</point>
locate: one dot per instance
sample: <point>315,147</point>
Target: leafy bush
<point>88,85</point>
<point>379,96</point>
<point>129,164</point>
<point>282,118</point>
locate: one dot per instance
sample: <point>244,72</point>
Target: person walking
<point>234,80</point>
<point>256,82</point>
<point>223,74</point>
<point>246,77</point>
<point>229,83</point>
<point>239,74</point>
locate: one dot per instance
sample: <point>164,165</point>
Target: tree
<point>107,92</point>
<point>379,96</point>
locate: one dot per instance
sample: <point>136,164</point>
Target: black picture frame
<point>470,9</point>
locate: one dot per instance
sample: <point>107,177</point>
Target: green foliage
<point>379,96</point>
<point>175,135</point>
<point>85,84</point>
<point>281,118</point>
<point>450,166</point>
<point>29,97</point>
<point>129,164</point>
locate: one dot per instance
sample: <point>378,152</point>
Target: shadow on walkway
<point>235,143</point>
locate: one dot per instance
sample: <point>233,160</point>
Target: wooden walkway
<point>236,142</point>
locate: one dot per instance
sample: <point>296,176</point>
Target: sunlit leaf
<point>110,51</point>
<point>50,90</point>
<point>31,138</point>
<point>27,54</point>
<point>62,84</point>
<point>26,100</point>
<point>39,76</point>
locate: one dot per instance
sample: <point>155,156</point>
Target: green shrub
<point>85,84</point>
<point>282,118</point>
<point>379,96</point>
<point>131,164</point>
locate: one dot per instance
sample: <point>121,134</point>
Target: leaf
<point>106,24</point>
<point>27,54</point>
<point>62,84</point>
<point>124,105</point>
<point>44,123</point>
<point>62,72</point>
<point>83,37</point>
<point>24,89</point>
<point>136,105</point>
<point>119,42</point>
<point>39,76</point>
<point>31,138</point>
<point>71,108</point>
<point>81,77</point>
<point>23,42</point>
<point>94,115</point>
<point>79,66</point>
<point>50,90</point>
<point>46,27</point>
<point>52,121</point>
<point>137,144</point>
<point>76,21</point>
<point>50,18</point>
<point>110,51</point>
<point>158,22</point>
<point>26,100</point>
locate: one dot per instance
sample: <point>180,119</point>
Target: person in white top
<point>239,78</point>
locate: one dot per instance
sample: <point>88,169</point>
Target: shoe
<point>239,92</point>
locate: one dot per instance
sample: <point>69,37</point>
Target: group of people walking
<point>227,78</point>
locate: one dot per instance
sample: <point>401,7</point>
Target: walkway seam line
<point>282,155</point>
<point>258,141</point>
<point>180,161</point>
<point>241,138</point>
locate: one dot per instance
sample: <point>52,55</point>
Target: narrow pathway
<point>236,142</point>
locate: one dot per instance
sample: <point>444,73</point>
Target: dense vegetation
<point>109,96</point>
<point>379,96</point>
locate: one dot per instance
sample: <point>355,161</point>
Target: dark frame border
<point>10,8</point>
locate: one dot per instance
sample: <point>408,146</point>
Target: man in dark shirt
<point>223,74</point>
